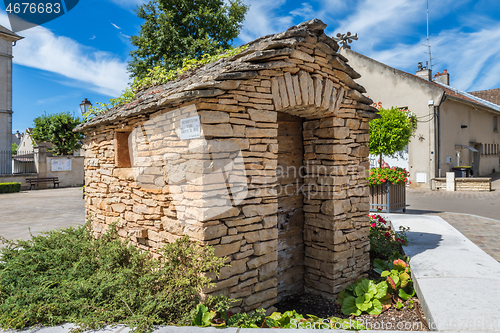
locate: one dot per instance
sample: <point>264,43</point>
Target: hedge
<point>10,187</point>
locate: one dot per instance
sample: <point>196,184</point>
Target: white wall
<point>75,177</point>
<point>389,87</point>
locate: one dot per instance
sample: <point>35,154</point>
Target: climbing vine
<point>158,76</point>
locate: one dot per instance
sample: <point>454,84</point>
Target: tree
<point>58,129</point>
<point>179,29</point>
<point>392,132</point>
<point>14,148</point>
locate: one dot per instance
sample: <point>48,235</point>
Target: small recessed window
<point>495,123</point>
<point>122,156</point>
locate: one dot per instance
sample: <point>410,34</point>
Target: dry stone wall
<point>219,182</point>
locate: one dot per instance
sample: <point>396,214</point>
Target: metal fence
<point>22,162</point>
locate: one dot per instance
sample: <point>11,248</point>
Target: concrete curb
<point>457,283</point>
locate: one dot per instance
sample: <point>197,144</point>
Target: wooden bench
<point>32,182</point>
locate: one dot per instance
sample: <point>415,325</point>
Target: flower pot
<point>388,198</point>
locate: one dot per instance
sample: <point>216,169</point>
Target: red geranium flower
<point>387,234</point>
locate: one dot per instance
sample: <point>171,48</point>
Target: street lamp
<point>85,106</point>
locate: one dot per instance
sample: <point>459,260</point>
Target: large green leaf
<point>207,318</point>
<point>403,295</point>
<point>379,265</point>
<point>349,307</point>
<point>395,278</point>
<point>270,323</point>
<point>385,273</point>
<point>365,287</point>
<point>381,289</point>
<point>198,318</point>
<point>363,302</point>
<point>376,308</point>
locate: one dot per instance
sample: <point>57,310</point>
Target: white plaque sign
<point>60,165</point>
<point>190,128</point>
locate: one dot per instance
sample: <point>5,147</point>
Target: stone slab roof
<point>209,81</point>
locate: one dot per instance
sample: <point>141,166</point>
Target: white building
<point>7,40</point>
<point>454,128</point>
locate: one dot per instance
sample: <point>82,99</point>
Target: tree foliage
<point>58,129</point>
<point>392,132</point>
<point>179,29</point>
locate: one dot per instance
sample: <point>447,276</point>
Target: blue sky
<point>84,53</point>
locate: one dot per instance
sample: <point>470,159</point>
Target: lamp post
<point>85,106</point>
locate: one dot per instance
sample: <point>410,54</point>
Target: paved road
<point>475,214</point>
<point>486,204</point>
<point>40,210</point>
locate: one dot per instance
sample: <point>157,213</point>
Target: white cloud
<point>470,52</point>
<point>114,25</point>
<point>306,11</point>
<point>377,20</point>
<point>262,19</point>
<point>98,71</point>
<point>472,59</point>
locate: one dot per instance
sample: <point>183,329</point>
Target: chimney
<point>424,72</point>
<point>443,77</point>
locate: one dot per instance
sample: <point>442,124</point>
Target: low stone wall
<point>482,184</point>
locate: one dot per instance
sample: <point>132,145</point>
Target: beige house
<point>7,40</point>
<point>454,128</point>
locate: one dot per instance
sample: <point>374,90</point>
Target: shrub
<point>375,297</point>
<point>10,187</point>
<point>68,276</point>
<point>394,175</point>
<point>385,243</point>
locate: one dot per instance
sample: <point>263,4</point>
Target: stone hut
<point>262,155</point>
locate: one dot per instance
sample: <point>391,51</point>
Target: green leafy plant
<point>126,96</point>
<point>384,241</point>
<point>364,296</point>
<point>394,175</point>
<point>391,132</point>
<point>67,275</point>
<point>289,319</point>
<point>203,317</point>
<point>399,280</point>
<point>157,76</point>
<point>10,187</point>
